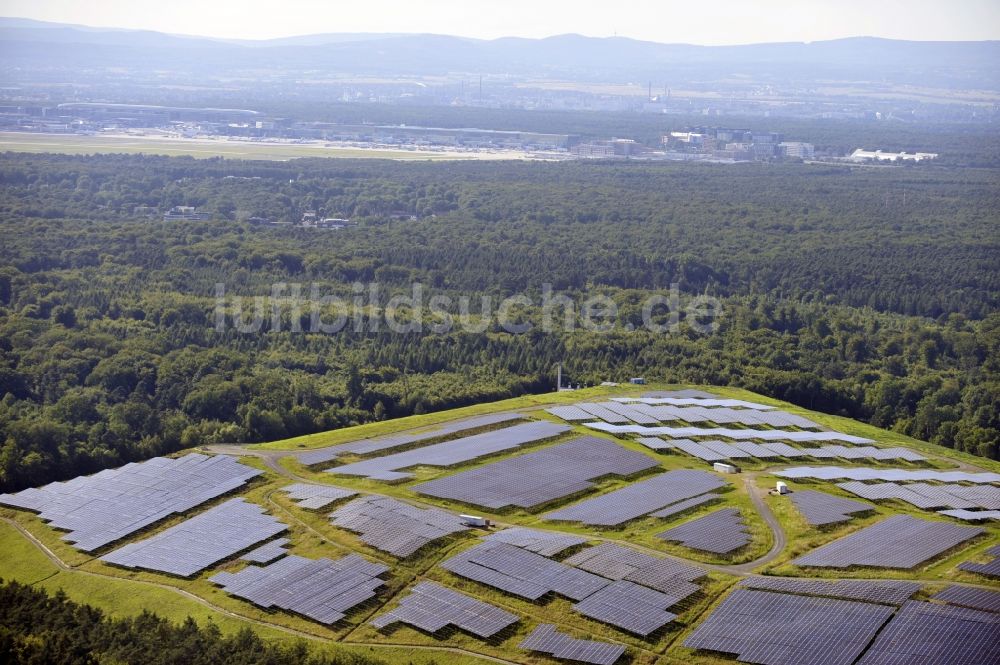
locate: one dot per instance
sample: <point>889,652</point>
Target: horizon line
<point>263,40</point>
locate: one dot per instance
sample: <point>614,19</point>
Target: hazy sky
<point>690,21</point>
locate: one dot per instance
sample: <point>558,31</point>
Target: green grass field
<point>73,144</point>
<point>23,562</point>
<point>123,592</point>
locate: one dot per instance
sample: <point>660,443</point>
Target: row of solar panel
<point>617,562</point>
<point>103,508</point>
<point>201,541</point>
<point>705,399</point>
<point>650,414</point>
<point>430,607</point>
<point>923,495</point>
<point>639,498</point>
<point>990,568</point>
<point>717,451</point>
<point>368,446</point>
<point>791,628</point>
<point>546,543</point>
<point>321,589</point>
<point>820,508</point>
<point>720,532</point>
<point>610,583</point>
<point>783,629</point>
<point>894,475</point>
<point>546,639</point>
<point>900,541</point>
<point>885,592</point>
<point>728,433</point>
<point>450,453</point>
<point>396,527</point>
<point>539,477</point>
<point>316,497</point>
<point>972,515</point>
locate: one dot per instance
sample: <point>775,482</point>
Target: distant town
<point>712,144</point>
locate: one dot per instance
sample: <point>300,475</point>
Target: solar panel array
<point>570,413</point>
<point>541,476</point>
<point>617,562</point>
<point>696,450</point>
<point>727,450</point>
<point>605,412</point>
<point>782,449</point>
<point>892,475</point>
<point>755,449</point>
<point>110,505</point>
<point>715,451</point>
<point>686,504</point>
<point>268,552</point>
<point>395,527</point>
<point>431,607</point>
<point>721,532</point>
<point>728,433</point>
<point>782,629</point>
<point>979,599</point>
<point>821,508</point>
<point>377,444</point>
<point>655,443</point>
<point>885,592</point>
<point>546,639</point>
<point>199,542</point>
<point>683,392</point>
<point>992,568</point>
<point>712,401</point>
<point>649,414</point>
<point>636,609</point>
<point>972,515</point>
<point>923,495</point>
<point>316,497</point>
<point>522,573</point>
<point>638,499</point>
<point>899,541</point>
<point>449,453</point>
<point>932,634</point>
<point>320,589</point>
<point>546,543</point>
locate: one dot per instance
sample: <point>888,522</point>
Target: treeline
<point>41,629</point>
<point>108,350</point>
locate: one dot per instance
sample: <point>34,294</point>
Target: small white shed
<point>473,520</point>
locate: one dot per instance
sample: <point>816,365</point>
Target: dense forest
<point>41,629</point>
<point>867,292</point>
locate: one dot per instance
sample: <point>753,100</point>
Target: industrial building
<point>861,155</point>
<point>185,213</point>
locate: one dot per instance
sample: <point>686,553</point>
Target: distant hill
<point>37,44</point>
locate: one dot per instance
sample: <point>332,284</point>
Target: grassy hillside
<point>32,553</point>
